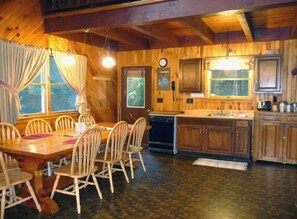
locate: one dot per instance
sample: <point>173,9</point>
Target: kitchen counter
<point>217,114</point>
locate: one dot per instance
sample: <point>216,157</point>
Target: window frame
<point>208,78</point>
<point>46,98</point>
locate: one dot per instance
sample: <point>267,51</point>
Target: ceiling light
<point>108,61</point>
<point>68,59</point>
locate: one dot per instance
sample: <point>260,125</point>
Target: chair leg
<point>76,186</point>
<point>141,160</point>
<point>124,171</point>
<point>110,177</point>
<point>131,166</point>
<point>55,186</point>
<point>33,196</point>
<point>96,185</point>
<point>3,204</point>
<point>49,168</point>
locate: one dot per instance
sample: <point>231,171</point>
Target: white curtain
<point>74,76</point>
<point>19,66</point>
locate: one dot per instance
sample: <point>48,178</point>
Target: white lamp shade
<point>108,62</point>
<point>68,59</point>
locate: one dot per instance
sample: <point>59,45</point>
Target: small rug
<point>221,164</point>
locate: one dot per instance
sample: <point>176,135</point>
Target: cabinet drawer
<point>292,118</point>
<point>271,118</point>
<point>242,123</point>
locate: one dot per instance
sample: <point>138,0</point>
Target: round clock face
<point>163,62</point>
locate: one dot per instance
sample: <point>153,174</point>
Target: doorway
<point>136,94</point>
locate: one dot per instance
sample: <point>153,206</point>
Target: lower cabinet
<point>214,136</point>
<point>275,137</point>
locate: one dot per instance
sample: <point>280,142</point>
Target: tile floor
<point>174,188</point>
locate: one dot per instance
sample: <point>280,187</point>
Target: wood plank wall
<point>288,49</point>
<point>21,21</point>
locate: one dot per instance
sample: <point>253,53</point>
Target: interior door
<point>135,94</point>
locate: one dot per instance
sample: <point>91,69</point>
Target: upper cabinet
<point>268,78</point>
<point>190,77</point>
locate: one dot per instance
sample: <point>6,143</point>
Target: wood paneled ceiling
<point>153,24</point>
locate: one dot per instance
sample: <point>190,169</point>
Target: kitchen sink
<point>222,114</point>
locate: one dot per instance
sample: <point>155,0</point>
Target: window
<point>47,91</point>
<point>228,82</point>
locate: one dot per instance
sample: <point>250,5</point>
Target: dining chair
<point>37,126</point>
<point>8,131</point>
<point>82,166</point>
<point>133,145</point>
<point>113,153</point>
<point>10,179</point>
<point>64,122</point>
<point>40,126</point>
<point>85,117</point>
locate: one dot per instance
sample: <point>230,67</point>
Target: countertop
<point>217,114</point>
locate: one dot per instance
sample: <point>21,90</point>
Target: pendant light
<point>108,61</point>
<point>68,59</point>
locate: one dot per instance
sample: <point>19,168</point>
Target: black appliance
<point>264,105</point>
<point>162,137</point>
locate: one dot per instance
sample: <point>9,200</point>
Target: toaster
<point>264,105</point>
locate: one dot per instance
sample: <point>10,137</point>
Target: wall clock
<point>163,62</point>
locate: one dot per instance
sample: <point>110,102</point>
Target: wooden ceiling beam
<point>90,39</point>
<point>246,25</point>
<point>294,28</point>
<point>200,29</point>
<point>158,33</point>
<point>124,37</point>
<point>152,13</point>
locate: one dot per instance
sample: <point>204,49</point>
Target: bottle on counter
<point>282,106</point>
<point>274,104</point>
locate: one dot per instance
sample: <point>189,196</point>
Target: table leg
<point>34,166</point>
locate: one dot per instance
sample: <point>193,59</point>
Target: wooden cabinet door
<point>241,142</point>
<point>290,143</point>
<point>268,74</point>
<point>242,138</point>
<point>270,141</point>
<point>190,76</point>
<point>218,140</point>
<point>189,137</point>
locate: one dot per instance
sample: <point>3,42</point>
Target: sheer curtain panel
<point>74,75</point>
<point>19,66</point>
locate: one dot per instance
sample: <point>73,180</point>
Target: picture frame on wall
<point>163,78</point>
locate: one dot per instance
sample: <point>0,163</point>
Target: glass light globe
<point>68,59</point>
<point>108,62</point>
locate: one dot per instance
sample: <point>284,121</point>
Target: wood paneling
<point>287,48</point>
<point>21,21</point>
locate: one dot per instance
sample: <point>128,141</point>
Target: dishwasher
<point>162,135</point>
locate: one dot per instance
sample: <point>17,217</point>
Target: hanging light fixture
<point>108,61</point>
<point>68,59</point>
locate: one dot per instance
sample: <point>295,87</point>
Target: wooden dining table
<point>33,153</point>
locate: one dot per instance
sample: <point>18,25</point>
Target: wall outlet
<point>189,100</point>
<point>159,100</point>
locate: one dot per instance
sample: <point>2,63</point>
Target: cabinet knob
<point>284,137</point>
<point>237,134</point>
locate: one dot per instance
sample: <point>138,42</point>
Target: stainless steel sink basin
<point>221,114</point>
